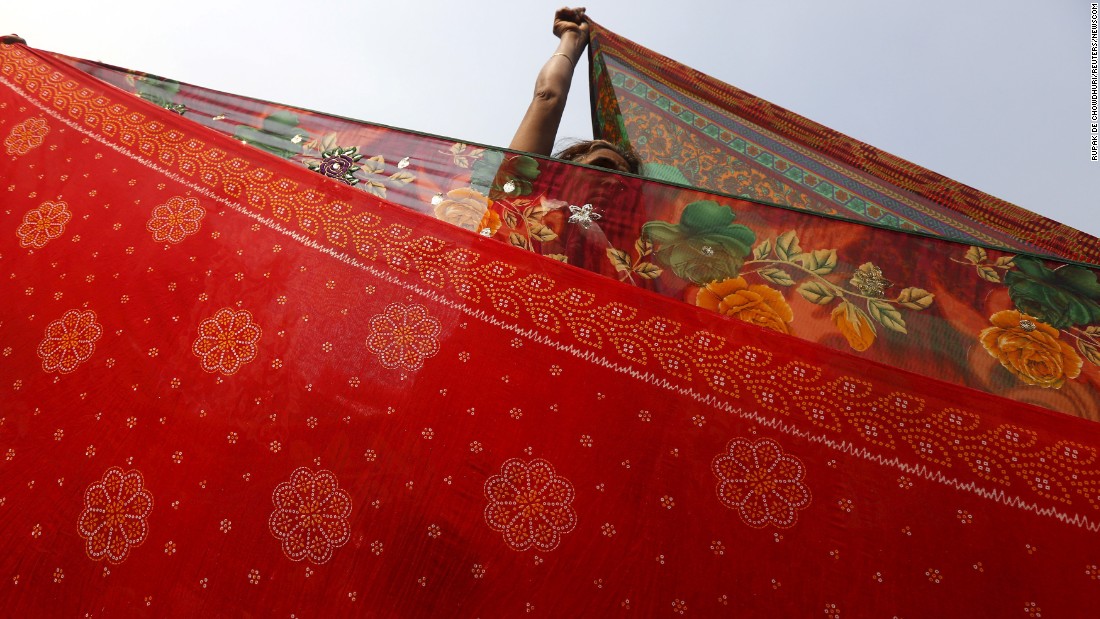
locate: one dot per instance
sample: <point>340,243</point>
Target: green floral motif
<point>708,249</point>
<point>705,246</point>
<point>1063,297</point>
<point>497,177</point>
<point>1049,302</point>
<point>279,136</point>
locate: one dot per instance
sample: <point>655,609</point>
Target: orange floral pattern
<point>43,224</point>
<point>489,224</point>
<point>530,505</point>
<point>69,341</point>
<point>855,325</point>
<point>26,136</point>
<point>465,208</point>
<point>1030,349</point>
<point>227,341</point>
<point>115,516</point>
<point>758,304</point>
<point>311,515</point>
<point>761,482</point>
<point>176,220</point>
<point>404,336</point>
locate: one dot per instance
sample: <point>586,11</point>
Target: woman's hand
<point>571,20</point>
<point>540,123</point>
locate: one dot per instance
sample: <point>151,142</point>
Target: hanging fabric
<point>692,128</point>
<point>235,382</point>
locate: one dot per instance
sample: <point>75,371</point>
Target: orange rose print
<point>465,208</point>
<point>311,515</point>
<point>758,304</point>
<point>26,136</point>
<point>43,224</point>
<point>404,336</point>
<point>176,219</point>
<point>69,341</point>
<point>489,224</point>
<point>855,325</point>
<point>115,515</point>
<point>227,341</point>
<point>1030,349</point>
<point>530,505</point>
<point>760,482</point>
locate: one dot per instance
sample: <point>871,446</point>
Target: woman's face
<point>604,157</point>
<point>601,190</point>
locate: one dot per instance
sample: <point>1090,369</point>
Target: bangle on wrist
<point>566,56</point>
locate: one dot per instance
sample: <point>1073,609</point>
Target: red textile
<point>232,386</point>
<point>922,304</point>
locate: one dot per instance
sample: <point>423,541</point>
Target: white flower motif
<point>69,341</point>
<point>530,505</point>
<point>227,341</point>
<point>583,215</point>
<point>311,515</point>
<point>26,136</point>
<point>761,482</point>
<point>404,336</point>
<point>176,219</point>
<point>43,224</point>
<point>115,516</point>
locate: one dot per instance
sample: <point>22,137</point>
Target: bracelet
<point>566,56</point>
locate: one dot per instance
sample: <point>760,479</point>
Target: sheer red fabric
<point>234,386</point>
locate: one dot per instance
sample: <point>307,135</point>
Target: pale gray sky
<point>992,93</point>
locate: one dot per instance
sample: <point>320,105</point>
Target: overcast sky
<point>994,94</point>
